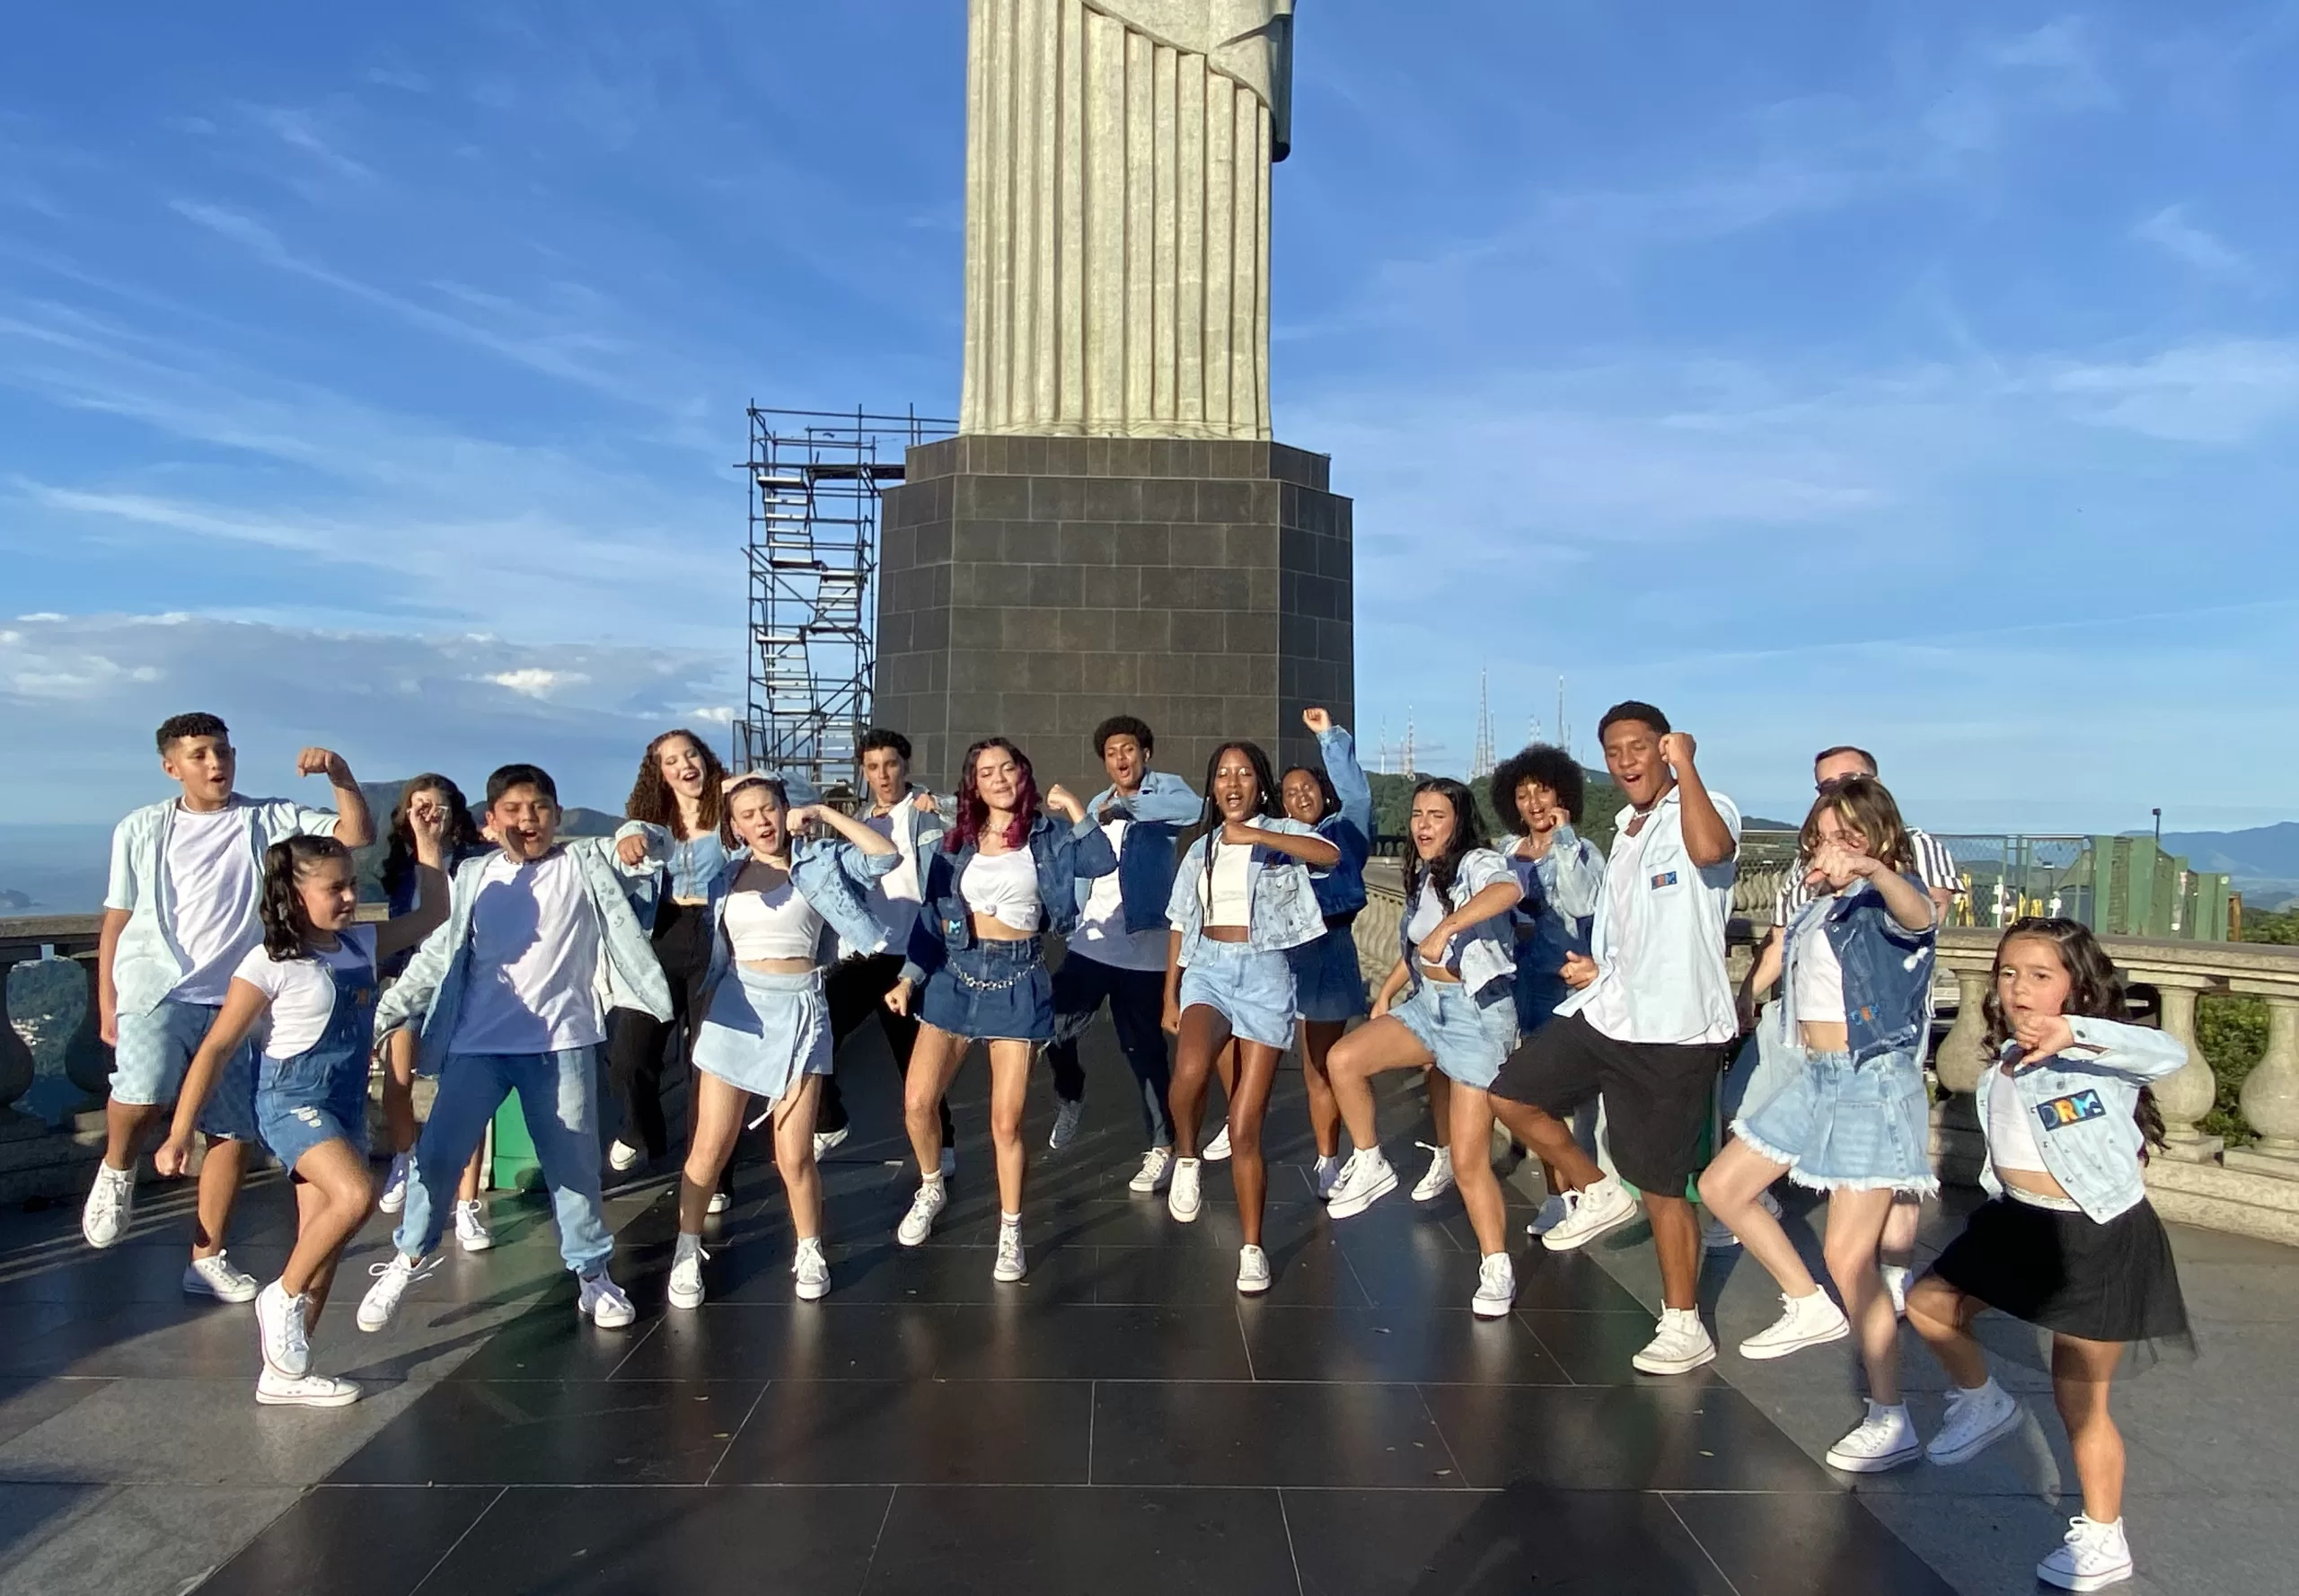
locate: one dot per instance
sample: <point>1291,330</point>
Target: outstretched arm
<point>1310,848</point>
<point>354,827</point>
<point>244,1006</point>
<point>1709,838</point>
<point>1341,769</point>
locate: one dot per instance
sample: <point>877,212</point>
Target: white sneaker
<point>1326,1171</point>
<point>1156,1169</point>
<point>1680,1345</point>
<point>216,1277</point>
<point>1009,1267</point>
<point>1896,1284</point>
<point>395,1197</point>
<point>824,1140</point>
<point>603,1303</point>
<point>1885,1439</point>
<point>1067,1113</point>
<point>1975,1421</point>
<point>1183,1197</point>
<point>1805,1321</point>
<point>949,1163</point>
<point>2093,1556</point>
<point>275,1389</point>
<point>111,1203</point>
<point>718,1203</point>
<point>686,1273</point>
<point>1253,1270</point>
<point>471,1233</point>
<point>1218,1150</point>
<point>1365,1179</point>
<point>1552,1214</point>
<point>812,1270</point>
<point>1439,1179</point>
<point>1496,1286</point>
<point>925,1208</point>
<point>621,1157</point>
<point>392,1277</point>
<point>1603,1205</point>
<point>280,1327</point>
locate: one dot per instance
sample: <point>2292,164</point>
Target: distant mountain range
<point>2261,863</point>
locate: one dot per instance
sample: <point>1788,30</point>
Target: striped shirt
<point>1932,862</point>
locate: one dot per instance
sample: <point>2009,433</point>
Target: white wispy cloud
<point>2172,231</point>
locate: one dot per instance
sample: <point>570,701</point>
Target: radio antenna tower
<point>1409,771</point>
<point>1482,757</point>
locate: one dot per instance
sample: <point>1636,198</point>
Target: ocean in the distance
<point>53,869</point>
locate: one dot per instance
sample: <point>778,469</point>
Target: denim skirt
<point>1468,1039</point>
<point>1253,991</point>
<point>764,1031</point>
<point>991,991</point>
<point>1841,1125</point>
<point>1328,984</point>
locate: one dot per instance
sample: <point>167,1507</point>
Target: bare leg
<point>1942,1316</point>
<point>2081,1372</point>
<point>219,1188</point>
<point>1204,1036</point>
<point>467,1189</point>
<point>332,1201</point>
<point>399,1089</point>
<point>1898,1246</point>
<point>1009,1091</point>
<point>125,1127</point>
<point>719,1110</point>
<point>1473,1176</point>
<point>1856,1225</point>
<point>1550,1140</point>
<point>934,1061</point>
<point>1248,1104</point>
<point>1730,1185</point>
<point>1317,1039</point>
<point>1441,1106</point>
<point>794,1155</point>
<point>1676,1237</point>
<point>1376,1045</point>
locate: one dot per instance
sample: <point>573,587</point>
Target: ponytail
<point>287,934</point>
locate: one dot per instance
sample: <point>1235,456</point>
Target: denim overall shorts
<point>320,1094</point>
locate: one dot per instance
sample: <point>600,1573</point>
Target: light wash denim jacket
<point>1145,862</point>
<point>1341,891</point>
<point>1484,955</point>
<point>833,875</point>
<point>1563,888</point>
<point>1280,887</point>
<point>1064,855</point>
<point>2083,1102</point>
<point>430,994</point>
<point>1887,972</point>
<point>147,964</point>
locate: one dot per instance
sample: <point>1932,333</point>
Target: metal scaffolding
<point>815,481</point>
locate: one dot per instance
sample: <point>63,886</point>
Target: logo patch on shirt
<point>1666,878</point>
<point>2070,1110</point>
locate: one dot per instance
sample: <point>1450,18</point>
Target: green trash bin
<point>515,1167</point>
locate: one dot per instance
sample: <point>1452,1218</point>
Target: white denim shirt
<point>1659,940</point>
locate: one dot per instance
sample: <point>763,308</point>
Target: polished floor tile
<point>354,1540</point>
<point>1175,1433</point>
<point>557,1432</point>
<point>1431,1344</point>
<point>915,1432</point>
<point>1051,1541</point>
<point>1790,1545</point>
<point>1625,1437</point>
<point>1594,1349</point>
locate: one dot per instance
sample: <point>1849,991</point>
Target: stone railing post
<point>2270,1096</point>
<point>87,1056</point>
<point>15,1057</point>
<point>1963,1051</point>
<point>2186,1095</point>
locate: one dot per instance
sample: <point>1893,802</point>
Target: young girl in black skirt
<point>2070,1243</point>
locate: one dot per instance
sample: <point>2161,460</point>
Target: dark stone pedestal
<point>1033,586</point>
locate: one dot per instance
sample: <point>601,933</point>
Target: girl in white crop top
<point>1004,887</point>
<point>1228,891</point>
<point>772,924</point>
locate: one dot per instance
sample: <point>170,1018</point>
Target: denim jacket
<point>1341,891</point>
<point>1280,887</point>
<point>832,876</point>
<point>683,866</point>
<point>147,964</point>
<point>1887,972</point>
<point>1159,812</point>
<point>2082,1101</point>
<point>1563,888</point>
<point>1065,855</point>
<point>1484,955</point>
<point>430,994</point>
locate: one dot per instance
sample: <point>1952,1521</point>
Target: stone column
<point>87,1056</point>
<point>2187,1095</point>
<point>1963,1051</point>
<point>2270,1096</point>
<point>15,1056</point>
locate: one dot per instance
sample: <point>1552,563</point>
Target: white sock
<point>688,1246</point>
<point>932,1178</point>
<point>1009,1222</point>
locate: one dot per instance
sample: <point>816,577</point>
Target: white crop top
<point>2011,1133</point>
<point>777,924</point>
<point>1816,994</point>
<point>1230,900</point>
<point>1004,887</point>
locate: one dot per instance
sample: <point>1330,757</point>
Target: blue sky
<point>1919,374</point>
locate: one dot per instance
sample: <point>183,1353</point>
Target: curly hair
<point>652,800</point>
<point>199,723</point>
<point>1468,831</point>
<point>1865,805</point>
<point>974,810</point>
<point>463,831</point>
<point>2093,991</point>
<point>1330,805</point>
<point>1268,803</point>
<point>286,932</point>
<point>1551,767</point>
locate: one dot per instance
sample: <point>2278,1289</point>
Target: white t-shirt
<point>1817,992</point>
<point>1659,935</point>
<point>303,989</point>
<point>534,956</point>
<point>1101,934</point>
<point>213,884</point>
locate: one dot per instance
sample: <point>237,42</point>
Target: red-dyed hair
<point>974,810</point>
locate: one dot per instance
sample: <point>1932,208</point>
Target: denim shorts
<point>764,1031</point>
<point>156,1049</point>
<point>1253,991</point>
<point>992,991</point>
<point>300,1103</point>
<point>1468,1039</point>
<point>1328,983</point>
<point>1839,1124</point>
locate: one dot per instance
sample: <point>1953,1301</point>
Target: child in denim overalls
<point>314,980</point>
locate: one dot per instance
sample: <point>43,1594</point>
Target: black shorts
<point>1657,1095</point>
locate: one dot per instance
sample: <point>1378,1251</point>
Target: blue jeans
<point>559,1096</point>
<point>1137,1001</point>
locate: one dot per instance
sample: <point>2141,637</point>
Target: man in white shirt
<point>1648,1024</point>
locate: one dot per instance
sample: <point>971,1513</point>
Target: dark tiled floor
<point>1122,1421</point>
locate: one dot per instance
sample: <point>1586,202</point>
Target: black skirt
<point>2067,1272</point>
